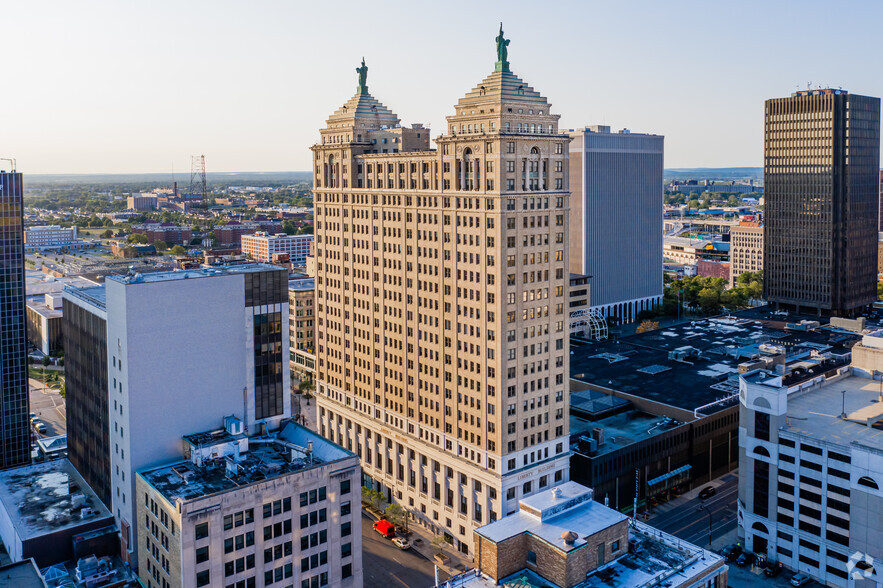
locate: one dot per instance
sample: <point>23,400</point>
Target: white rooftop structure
<point>565,508</point>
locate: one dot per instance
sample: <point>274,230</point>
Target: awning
<point>669,475</point>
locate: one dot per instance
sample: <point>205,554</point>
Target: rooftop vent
<point>569,537</point>
<point>556,493</point>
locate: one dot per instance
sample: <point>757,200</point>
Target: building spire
<point>362,88</point>
<point>502,52</point>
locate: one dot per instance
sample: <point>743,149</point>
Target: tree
<point>646,326</point>
<point>306,230</point>
<point>46,360</point>
<point>439,543</point>
<point>289,228</point>
<point>374,498</point>
<point>709,300</point>
<point>160,245</point>
<point>107,234</point>
<point>397,515</point>
<point>305,387</point>
<point>137,238</point>
<point>178,250</point>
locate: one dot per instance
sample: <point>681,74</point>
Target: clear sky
<point>126,86</point>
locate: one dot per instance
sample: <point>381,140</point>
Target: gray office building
<point>14,406</point>
<point>616,218</point>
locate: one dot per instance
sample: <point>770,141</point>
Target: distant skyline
<point>128,87</point>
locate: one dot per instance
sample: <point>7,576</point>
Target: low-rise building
<point>256,511</point>
<point>263,246</point>
<point>566,539</point>
<point>713,268</point>
<point>44,507</point>
<point>811,464</point>
<point>44,322</point>
<point>746,249</point>
<point>139,201</point>
<point>169,233</point>
<point>666,402</point>
<point>301,319</point>
<point>45,237</point>
<point>232,232</point>
<point>689,251</point>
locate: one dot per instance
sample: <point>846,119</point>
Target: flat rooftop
<point>204,272</point>
<point>622,430</point>
<point>21,574</point>
<point>265,459</point>
<point>711,351</point>
<point>816,413</point>
<point>302,284</point>
<point>657,557</point>
<point>38,304</point>
<point>37,283</point>
<point>93,295</point>
<point>580,513</point>
<point>48,497</point>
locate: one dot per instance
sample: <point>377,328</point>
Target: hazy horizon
<point>109,87</point>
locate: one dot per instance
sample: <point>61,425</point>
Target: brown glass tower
<point>821,162</point>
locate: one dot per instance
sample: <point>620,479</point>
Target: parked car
<point>40,428</point>
<point>32,415</point>
<point>731,552</point>
<point>401,543</point>
<point>707,492</point>
<point>773,569</point>
<point>747,558</point>
<point>385,528</point>
<point>800,579</point>
<point>35,419</point>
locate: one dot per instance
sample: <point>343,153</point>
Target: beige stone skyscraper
<point>441,312</point>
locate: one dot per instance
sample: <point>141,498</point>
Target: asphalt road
<point>687,522</point>
<point>49,406</point>
<point>386,566</point>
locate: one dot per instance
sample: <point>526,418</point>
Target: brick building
<point>167,232</point>
<point>565,537</point>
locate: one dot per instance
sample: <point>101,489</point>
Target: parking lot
<point>49,407</point>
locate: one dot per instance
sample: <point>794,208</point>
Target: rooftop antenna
<point>809,85</point>
<point>11,160</point>
<point>843,409</point>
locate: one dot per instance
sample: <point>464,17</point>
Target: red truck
<point>385,528</point>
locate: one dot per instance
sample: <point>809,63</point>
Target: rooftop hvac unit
<point>598,435</point>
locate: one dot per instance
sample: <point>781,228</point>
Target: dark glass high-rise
<point>14,405</point>
<point>821,166</point>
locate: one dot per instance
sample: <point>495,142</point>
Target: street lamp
<point>703,508</point>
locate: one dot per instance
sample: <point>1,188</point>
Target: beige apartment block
<point>746,249</point>
<point>441,279</point>
<point>278,509</point>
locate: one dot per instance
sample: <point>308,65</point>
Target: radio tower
<point>197,178</point>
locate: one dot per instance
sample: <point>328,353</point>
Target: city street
<point>387,566</point>
<point>49,406</point>
<point>682,518</point>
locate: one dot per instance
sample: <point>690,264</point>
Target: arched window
<point>760,527</point>
<point>467,169</point>
<point>868,483</point>
<point>762,402</point>
<point>761,451</point>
